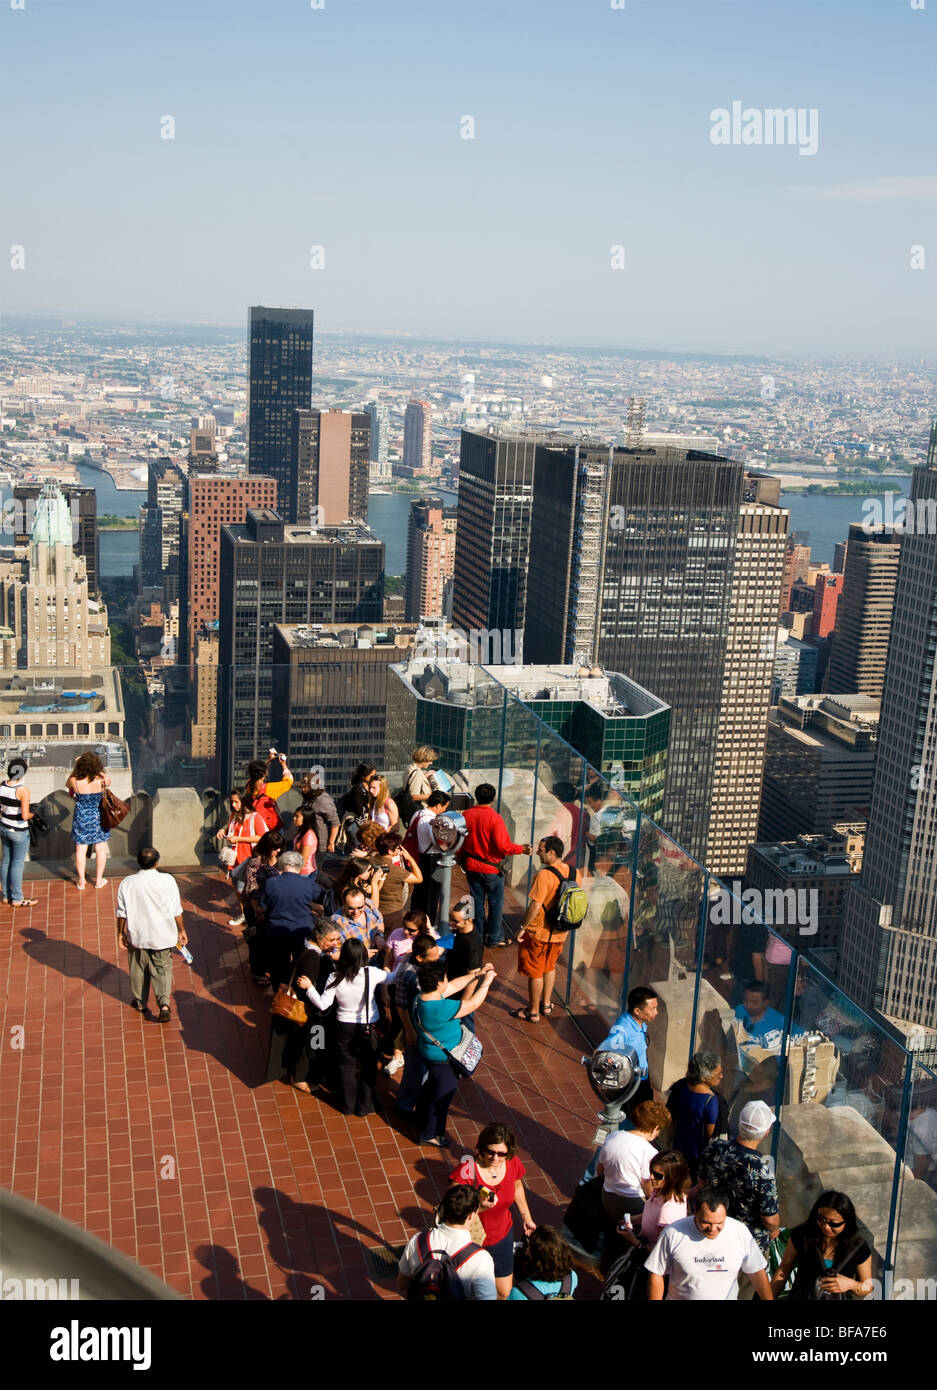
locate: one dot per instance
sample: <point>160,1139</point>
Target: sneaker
<point>441,1141</point>
<point>393,1066</point>
<point>164,1014</point>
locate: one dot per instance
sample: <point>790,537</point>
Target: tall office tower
<point>279,382</point>
<point>496,482</point>
<point>417,440</point>
<point>150,571</point>
<point>741,734</point>
<point>275,573</point>
<point>377,412</point>
<point>827,592</point>
<point>329,467</point>
<point>214,500</point>
<point>889,956</point>
<point>47,616</point>
<point>83,504</point>
<point>669,563</point>
<point>864,611</point>
<point>839,556</point>
<point>205,682</point>
<point>431,537</point>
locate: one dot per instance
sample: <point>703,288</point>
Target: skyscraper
<point>159,527</point>
<point>279,382</point>
<point>329,466</point>
<point>496,485</point>
<point>274,573</point>
<point>47,617</point>
<point>864,611</point>
<point>666,565</point>
<point>889,951</point>
<point>214,500</point>
<point>431,538</point>
<point>417,440</point>
<point>827,592</point>
<point>83,502</point>
<point>377,412</point>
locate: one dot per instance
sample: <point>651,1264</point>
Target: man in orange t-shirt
<point>539,947</point>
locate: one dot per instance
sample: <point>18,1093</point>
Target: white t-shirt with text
<point>702,1269</point>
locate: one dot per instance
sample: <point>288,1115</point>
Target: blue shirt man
<point>630,1028</point>
<point>757,1019</point>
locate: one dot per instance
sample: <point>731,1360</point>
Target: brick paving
<point>166,1143</point>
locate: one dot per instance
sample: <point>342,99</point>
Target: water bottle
<point>186,954</point>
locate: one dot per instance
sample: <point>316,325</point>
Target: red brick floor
<point>165,1142</point>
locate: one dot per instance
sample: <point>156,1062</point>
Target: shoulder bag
<point>113,810</point>
<point>287,1003</point>
<point>370,1032</point>
<point>466,1054</point>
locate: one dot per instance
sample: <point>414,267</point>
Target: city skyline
<point>689,243</point>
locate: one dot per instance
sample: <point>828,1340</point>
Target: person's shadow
<point>223,1281</point>
<point>75,963</point>
<point>306,1241</point>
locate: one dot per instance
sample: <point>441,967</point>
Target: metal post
<point>504,722</point>
<point>702,926</point>
<point>634,884</point>
<point>890,1262</point>
<point>782,1058</point>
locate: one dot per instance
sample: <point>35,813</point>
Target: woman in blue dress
<point>86,785</point>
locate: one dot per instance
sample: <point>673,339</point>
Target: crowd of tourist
<point>339,902</point>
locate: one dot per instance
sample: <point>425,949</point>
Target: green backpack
<point>569,910</point>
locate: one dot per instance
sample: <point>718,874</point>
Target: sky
<point>591,207</point>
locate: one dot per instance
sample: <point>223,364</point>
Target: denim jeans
<point>490,888</point>
<point>15,844</point>
<point>411,1082</point>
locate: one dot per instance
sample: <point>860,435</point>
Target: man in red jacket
<point>486,844</point>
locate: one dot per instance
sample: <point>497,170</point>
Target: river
<point>120,550</point>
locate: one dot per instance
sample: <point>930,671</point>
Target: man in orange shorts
<point>539,946</point>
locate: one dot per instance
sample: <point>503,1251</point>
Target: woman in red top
<point>498,1172</point>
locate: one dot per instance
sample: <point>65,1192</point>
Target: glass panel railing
<point>913,1260</point>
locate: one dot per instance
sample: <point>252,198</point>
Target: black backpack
<point>436,1277</point>
<point>533,1295</point>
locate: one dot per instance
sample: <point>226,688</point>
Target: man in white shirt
<point>703,1255</point>
<point>425,895</point>
<point>477,1273</point>
<point>149,925</point>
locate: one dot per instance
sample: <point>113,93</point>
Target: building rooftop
<point>459,682</point>
<point>365,635</point>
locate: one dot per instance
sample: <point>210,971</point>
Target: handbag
<point>113,810</point>
<point>465,1056</point>
<point>287,1004</point>
<point>370,1032</point>
<point>228,856</point>
<point>38,825</point>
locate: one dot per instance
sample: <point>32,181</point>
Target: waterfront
<point>827,519</point>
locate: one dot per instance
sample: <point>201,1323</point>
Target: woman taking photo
<point>87,784</point>
<point>401,872</point>
<point>353,986</point>
<point>304,840</point>
<point>496,1170</point>
<point>382,807</point>
<point>436,1022</point>
<point>827,1255</point>
<point>417,785</point>
<point>14,834</point>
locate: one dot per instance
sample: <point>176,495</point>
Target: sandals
<point>526,1015</point>
<point>547,1009</point>
<point>26,902</point>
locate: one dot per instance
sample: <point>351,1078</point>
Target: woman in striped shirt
<point>14,834</point>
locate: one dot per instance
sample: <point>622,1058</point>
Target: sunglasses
<point>412,931</point>
<point>833,1225</point>
<point>658,1177</point>
<point>494,1153</point>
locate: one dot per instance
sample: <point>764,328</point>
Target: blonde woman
<point>383,808</point>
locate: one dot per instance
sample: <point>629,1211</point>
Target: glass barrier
<point>912,1271</point>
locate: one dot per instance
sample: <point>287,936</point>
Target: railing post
<point>504,723</point>
<point>889,1262</point>
<point>782,1058</point>
<point>631,897</point>
<point>700,950</point>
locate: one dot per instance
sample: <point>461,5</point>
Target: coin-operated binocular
<point>614,1076</point>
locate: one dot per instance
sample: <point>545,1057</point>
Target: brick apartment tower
<point>431,529</point>
<point>826,597</point>
<point>330,466</point>
<point>214,501</point>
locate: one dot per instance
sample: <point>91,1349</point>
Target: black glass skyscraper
<point>279,382</point>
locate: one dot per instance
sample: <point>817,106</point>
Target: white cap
<point>755,1120</point>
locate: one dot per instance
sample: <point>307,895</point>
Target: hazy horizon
<point>316,157</point>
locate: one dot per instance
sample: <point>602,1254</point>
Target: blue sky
<point>340,128</point>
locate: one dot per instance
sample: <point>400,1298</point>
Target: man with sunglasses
<point>359,920</point>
